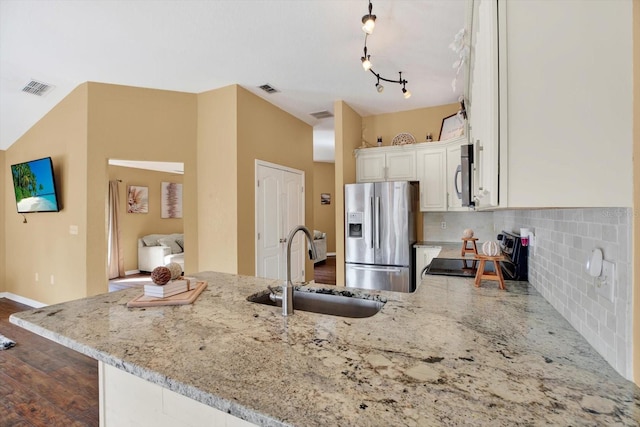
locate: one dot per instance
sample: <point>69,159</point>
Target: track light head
<point>366,63</point>
<point>369,21</point>
<point>406,93</point>
<point>379,87</point>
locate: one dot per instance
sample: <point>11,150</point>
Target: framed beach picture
<point>171,200</point>
<point>137,199</point>
<point>325,198</point>
<point>452,127</point>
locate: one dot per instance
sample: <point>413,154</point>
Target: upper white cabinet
<point>551,126</point>
<point>432,162</point>
<point>386,164</point>
<point>482,102</point>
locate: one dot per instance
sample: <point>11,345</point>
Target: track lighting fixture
<point>366,62</point>
<point>368,22</point>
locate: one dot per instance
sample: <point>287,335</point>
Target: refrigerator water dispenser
<point>354,225</point>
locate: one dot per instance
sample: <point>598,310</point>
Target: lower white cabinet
<point>424,255</point>
<point>127,401</point>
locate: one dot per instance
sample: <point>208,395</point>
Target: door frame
<point>262,163</point>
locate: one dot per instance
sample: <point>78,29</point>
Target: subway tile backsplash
<point>480,222</point>
<point>564,239</point>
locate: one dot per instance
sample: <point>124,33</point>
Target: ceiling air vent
<point>35,87</point>
<point>322,114</point>
<point>268,88</point>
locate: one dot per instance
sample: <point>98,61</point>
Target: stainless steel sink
<point>325,303</point>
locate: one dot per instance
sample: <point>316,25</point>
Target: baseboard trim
<point>22,300</point>
<point>331,254</point>
<point>131,272</point>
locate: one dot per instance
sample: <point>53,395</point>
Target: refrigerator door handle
<point>377,223</point>
<point>372,222</point>
<point>384,269</point>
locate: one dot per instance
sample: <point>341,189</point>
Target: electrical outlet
<point>443,225</point>
<point>73,229</point>
<point>605,284</point>
<point>37,277</point>
<point>53,282</point>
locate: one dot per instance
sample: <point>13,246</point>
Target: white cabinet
<point>482,102</point>
<point>554,121</point>
<point>433,180</point>
<point>128,400</point>
<point>386,164</point>
<point>439,176</point>
<point>424,255</point>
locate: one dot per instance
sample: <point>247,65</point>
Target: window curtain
<point>114,249</point>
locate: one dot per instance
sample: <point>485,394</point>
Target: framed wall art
<point>171,200</point>
<point>452,127</point>
<point>137,199</point>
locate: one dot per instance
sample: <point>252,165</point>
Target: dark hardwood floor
<point>43,383</point>
<point>324,272</point>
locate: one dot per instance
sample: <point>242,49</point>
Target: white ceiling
<point>308,49</point>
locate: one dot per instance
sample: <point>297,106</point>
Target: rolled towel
<point>6,343</point>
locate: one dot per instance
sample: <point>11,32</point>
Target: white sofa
<point>155,250</point>
<point>320,241</point>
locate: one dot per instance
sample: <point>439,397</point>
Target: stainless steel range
<point>514,267</point>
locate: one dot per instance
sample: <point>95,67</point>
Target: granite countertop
<point>448,354</point>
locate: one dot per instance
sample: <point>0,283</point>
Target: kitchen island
<point>448,354</point>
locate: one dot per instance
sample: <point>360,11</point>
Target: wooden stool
<point>473,249</point>
<point>481,274</point>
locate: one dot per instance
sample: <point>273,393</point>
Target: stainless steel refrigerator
<point>379,236</point>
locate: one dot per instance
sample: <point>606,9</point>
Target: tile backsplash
<point>480,222</point>
<point>564,239</point>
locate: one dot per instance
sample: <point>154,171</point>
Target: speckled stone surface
<point>449,354</point>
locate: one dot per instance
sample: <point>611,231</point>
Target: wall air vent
<point>35,87</point>
<point>322,114</point>
<point>268,88</point>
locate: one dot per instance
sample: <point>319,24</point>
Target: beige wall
<point>324,216</point>
<point>3,176</point>
<point>636,190</point>
<point>235,128</point>
<point>136,124</point>
<point>217,176</point>
<point>348,130</point>
<point>267,133</point>
<point>44,245</point>
<point>417,122</point>
<point>134,226</point>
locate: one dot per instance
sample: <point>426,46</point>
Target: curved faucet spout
<point>287,289</point>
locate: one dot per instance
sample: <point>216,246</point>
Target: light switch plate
<point>605,285</point>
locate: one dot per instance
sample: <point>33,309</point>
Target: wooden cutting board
<point>178,299</point>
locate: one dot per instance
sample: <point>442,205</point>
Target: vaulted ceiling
<point>307,49</point>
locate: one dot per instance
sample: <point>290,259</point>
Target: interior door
<point>279,208</point>
<point>269,219</point>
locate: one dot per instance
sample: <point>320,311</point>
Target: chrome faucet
<point>287,288</point>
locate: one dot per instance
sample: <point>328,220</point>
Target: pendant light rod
<point>399,81</point>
